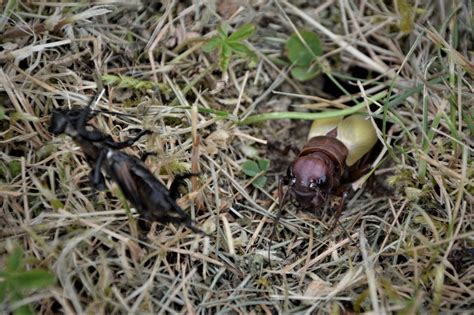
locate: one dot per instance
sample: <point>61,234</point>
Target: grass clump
<point>404,246</point>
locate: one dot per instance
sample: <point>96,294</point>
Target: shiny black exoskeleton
<point>148,195</point>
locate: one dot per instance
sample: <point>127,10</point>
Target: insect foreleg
<point>95,175</point>
<point>177,182</point>
<point>97,183</point>
<point>89,135</point>
<point>127,143</point>
<point>82,121</point>
<point>92,136</point>
<point>146,155</point>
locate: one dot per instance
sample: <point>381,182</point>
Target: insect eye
<point>322,180</point>
<point>318,183</point>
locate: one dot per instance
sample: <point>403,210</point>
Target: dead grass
<point>409,251</point>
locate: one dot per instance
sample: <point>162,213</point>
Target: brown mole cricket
<point>334,156</point>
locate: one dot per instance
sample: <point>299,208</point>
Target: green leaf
<point>23,116</point>
<point>23,310</point>
<point>302,54</point>
<point>240,48</point>
<point>16,296</point>
<point>2,113</point>
<point>245,51</point>
<point>224,59</point>
<point>212,44</point>
<point>263,164</point>
<point>250,168</point>
<point>127,82</point>
<point>260,182</point>
<point>406,12</point>
<point>110,79</point>
<point>220,113</point>
<point>312,116</point>
<point>15,167</point>
<point>305,73</point>
<point>3,289</point>
<point>253,59</point>
<point>226,50</point>
<point>242,33</point>
<point>223,30</point>
<point>56,204</point>
<point>15,260</point>
<point>32,279</point>
<point>230,44</point>
<point>10,7</point>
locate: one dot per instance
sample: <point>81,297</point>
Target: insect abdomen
<point>355,132</point>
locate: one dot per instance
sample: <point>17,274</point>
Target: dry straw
<point>410,249</point>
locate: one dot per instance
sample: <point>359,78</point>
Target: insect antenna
<point>93,103</point>
<point>111,112</point>
<point>87,113</point>
<point>338,222</point>
<point>282,196</point>
<point>348,235</point>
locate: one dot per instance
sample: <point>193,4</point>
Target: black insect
<point>148,195</point>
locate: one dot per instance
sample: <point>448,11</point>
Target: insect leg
<point>146,155</point>
<point>338,211</point>
<point>181,217</point>
<point>97,183</point>
<point>336,220</point>
<point>282,197</point>
<point>95,175</point>
<point>84,118</point>
<point>127,143</point>
<point>177,182</point>
<point>193,228</point>
<point>93,135</point>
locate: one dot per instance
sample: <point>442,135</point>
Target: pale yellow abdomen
<point>355,131</point>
